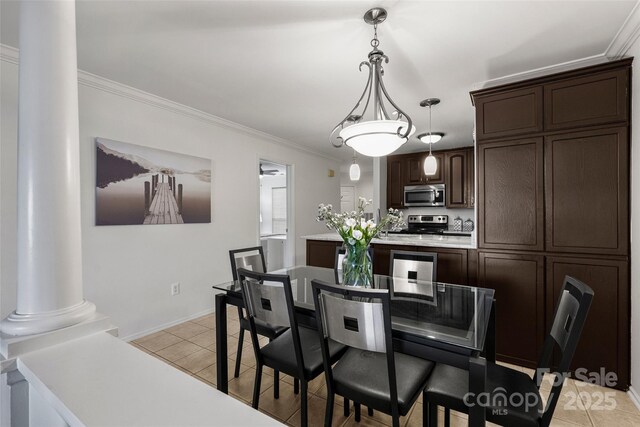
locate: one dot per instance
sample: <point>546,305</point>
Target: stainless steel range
<point>426,224</point>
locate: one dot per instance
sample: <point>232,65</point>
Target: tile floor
<point>190,347</point>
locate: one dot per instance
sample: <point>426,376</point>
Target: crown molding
<point>11,55</point>
<point>626,36</point>
<point>542,71</point>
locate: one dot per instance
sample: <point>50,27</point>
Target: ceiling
<point>290,68</point>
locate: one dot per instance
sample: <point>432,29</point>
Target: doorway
<point>275,214</point>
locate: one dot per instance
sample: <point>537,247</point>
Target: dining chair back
<point>414,265</point>
<point>360,318</point>
<point>265,300</point>
<point>248,258</point>
<point>569,319</point>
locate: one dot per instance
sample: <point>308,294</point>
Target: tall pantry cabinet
<point>553,200</point>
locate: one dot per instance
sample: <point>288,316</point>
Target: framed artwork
<point>142,185</point>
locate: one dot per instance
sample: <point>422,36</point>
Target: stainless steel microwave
<point>424,195</point>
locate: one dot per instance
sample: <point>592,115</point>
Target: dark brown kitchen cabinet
<point>395,182</point>
<point>414,169</point>
<point>518,281</point>
<point>451,266</point>
<point>596,99</point>
<point>509,113</point>
<point>584,229</point>
<point>605,339</point>
<point>322,253</point>
<point>587,187</point>
<point>511,195</point>
<point>458,169</point>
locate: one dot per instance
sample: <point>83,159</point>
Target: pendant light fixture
<point>354,169</point>
<point>380,133</point>
<point>430,163</point>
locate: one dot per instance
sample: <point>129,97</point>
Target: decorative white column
<point>49,289</point>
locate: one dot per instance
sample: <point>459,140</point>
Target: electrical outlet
<point>175,289</point>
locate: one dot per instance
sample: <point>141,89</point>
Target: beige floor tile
<point>569,407</point>
<point>614,418</point>
<point>141,348</point>
<point>242,387</point>
<point>208,321</point>
<point>562,423</point>
<point>364,422</point>
<point>209,373</point>
<point>415,418</point>
<point>316,409</point>
<point>157,341</point>
<point>596,394</point>
<point>187,330</point>
<point>204,339</point>
<point>178,351</point>
<point>248,357</point>
<point>195,362</point>
<point>179,368</point>
<point>282,408</point>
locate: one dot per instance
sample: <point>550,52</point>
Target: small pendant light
<point>430,163</point>
<point>354,170</point>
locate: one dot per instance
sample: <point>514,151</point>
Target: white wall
<point>128,269</point>
<point>635,220</point>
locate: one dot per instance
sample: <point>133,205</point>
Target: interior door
<point>347,198</point>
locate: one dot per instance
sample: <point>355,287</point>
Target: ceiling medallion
<point>380,133</point>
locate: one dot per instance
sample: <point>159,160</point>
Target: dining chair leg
<point>425,411</point>
<point>432,414</point>
<point>256,387</point>
<point>369,411</point>
<point>236,373</point>
<point>346,407</point>
<point>356,409</point>
<point>303,403</point>
<point>447,417</point>
<point>276,384</point>
<point>296,386</point>
<point>395,422</point>
<point>328,412</point>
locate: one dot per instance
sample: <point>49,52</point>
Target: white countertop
<point>428,240</point>
<point>100,380</point>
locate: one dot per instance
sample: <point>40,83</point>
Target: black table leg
<point>490,339</point>
<point>221,343</point>
<point>477,383</point>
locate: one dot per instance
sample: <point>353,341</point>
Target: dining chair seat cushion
<point>280,354</point>
<point>448,386</point>
<point>262,328</point>
<point>362,377</point>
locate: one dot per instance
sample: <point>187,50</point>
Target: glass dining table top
<point>444,312</point>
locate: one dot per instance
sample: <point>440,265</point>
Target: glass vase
<point>357,268</point>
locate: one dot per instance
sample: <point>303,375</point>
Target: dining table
<point>442,322</point>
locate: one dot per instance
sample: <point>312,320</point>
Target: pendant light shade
<point>377,137</point>
<point>354,172</point>
<point>385,127</point>
<point>430,165</point>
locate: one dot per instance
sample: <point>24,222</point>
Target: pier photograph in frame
<point>142,185</point>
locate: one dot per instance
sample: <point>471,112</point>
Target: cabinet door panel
<point>452,265</point>
<point>438,177</point>
<point>471,178</point>
<point>515,112</point>
<point>585,101</point>
<point>510,192</point>
<point>604,342</point>
<point>586,182</point>
<point>395,183</point>
<point>321,253</point>
<point>456,170</point>
<point>414,171</point>
<point>518,281</point>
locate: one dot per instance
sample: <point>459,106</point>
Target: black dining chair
<point>448,385</point>
<point>269,299</point>
<point>369,373</point>
<point>252,259</point>
<point>414,265</point>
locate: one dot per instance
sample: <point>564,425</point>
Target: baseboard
<point>634,396</point>
<point>165,326</point>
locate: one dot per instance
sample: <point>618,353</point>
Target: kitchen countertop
<point>439,241</point>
